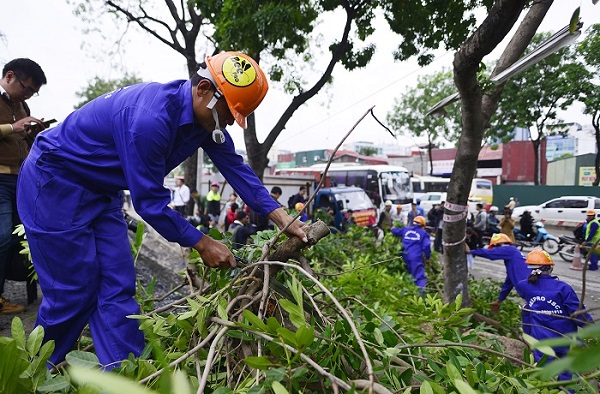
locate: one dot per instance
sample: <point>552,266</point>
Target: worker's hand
<point>281,219</point>
<point>495,306</point>
<point>214,253</point>
<point>26,125</point>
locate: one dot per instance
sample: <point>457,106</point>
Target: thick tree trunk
<point>596,124</point>
<point>476,112</point>
<point>536,155</point>
<point>257,158</point>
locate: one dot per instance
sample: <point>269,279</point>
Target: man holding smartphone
<point>21,80</point>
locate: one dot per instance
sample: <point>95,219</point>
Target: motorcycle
<point>566,247</point>
<point>543,238</point>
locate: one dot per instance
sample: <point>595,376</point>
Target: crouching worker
<point>416,250</point>
<point>549,305</point>
<point>70,195</point>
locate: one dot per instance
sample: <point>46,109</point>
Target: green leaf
<point>12,364</point>
<point>18,332</point>
<point>261,363</point>
<point>574,20</point>
<point>273,325</point>
<point>187,315</point>
<point>589,331</point>
<point>223,390</point>
<point>254,320</point>
<point>276,374</point>
<point>296,290</point>
<point>222,312</point>
<point>290,307</point>
<point>425,388</point>
<point>278,388</point>
<point>108,383</point>
<point>82,359</point>
<point>34,342</point>
<point>453,372</point>
<point>378,336</point>
<point>215,234</point>
<point>300,372</point>
<point>305,336</point>
<point>56,384</point>
<point>463,387</point>
<point>288,337</point>
<point>180,383</point>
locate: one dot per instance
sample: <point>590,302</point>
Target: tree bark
<point>477,109</point>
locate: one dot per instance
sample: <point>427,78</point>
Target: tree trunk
<point>596,124</point>
<point>476,111</point>
<point>257,158</point>
<point>536,155</point>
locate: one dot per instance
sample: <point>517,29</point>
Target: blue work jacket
<point>415,242</point>
<point>553,300</point>
<point>514,261</point>
<point>132,138</point>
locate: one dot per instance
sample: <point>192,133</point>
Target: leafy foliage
<point>100,86</point>
<point>409,114</point>
<point>303,341</point>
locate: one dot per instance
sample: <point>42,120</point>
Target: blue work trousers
<point>8,188</point>
<point>81,252</point>
<point>417,270</point>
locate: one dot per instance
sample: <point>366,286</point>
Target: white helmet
<point>493,208</point>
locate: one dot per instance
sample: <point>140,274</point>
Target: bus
<point>381,182</point>
<point>424,184</point>
<point>481,189</point>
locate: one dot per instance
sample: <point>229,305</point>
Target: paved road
<point>483,268</point>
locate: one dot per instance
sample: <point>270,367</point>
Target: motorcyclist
<point>492,221</point>
<point>526,223</point>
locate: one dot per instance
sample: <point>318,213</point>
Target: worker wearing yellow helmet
<point>501,248</point>
<point>591,229</point>
<point>550,305</point>
<point>70,197</point>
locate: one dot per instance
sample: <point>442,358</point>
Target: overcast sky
<point>48,32</point>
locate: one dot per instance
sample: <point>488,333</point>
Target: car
<point>562,211</point>
<point>428,200</point>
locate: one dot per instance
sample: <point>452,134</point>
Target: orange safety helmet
<point>299,206</point>
<point>239,78</point>
<point>499,238</point>
<point>539,257</point>
<point>420,220</point>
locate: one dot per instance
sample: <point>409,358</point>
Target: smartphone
<point>47,123</point>
<point>35,128</point>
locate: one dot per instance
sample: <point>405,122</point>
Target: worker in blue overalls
<point>550,305</point>
<point>70,195</point>
<point>501,248</point>
<point>416,250</point>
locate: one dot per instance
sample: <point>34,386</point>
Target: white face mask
<point>217,135</point>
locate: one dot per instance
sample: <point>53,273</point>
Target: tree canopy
<point>99,86</point>
<point>281,34</point>
<point>532,98</point>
